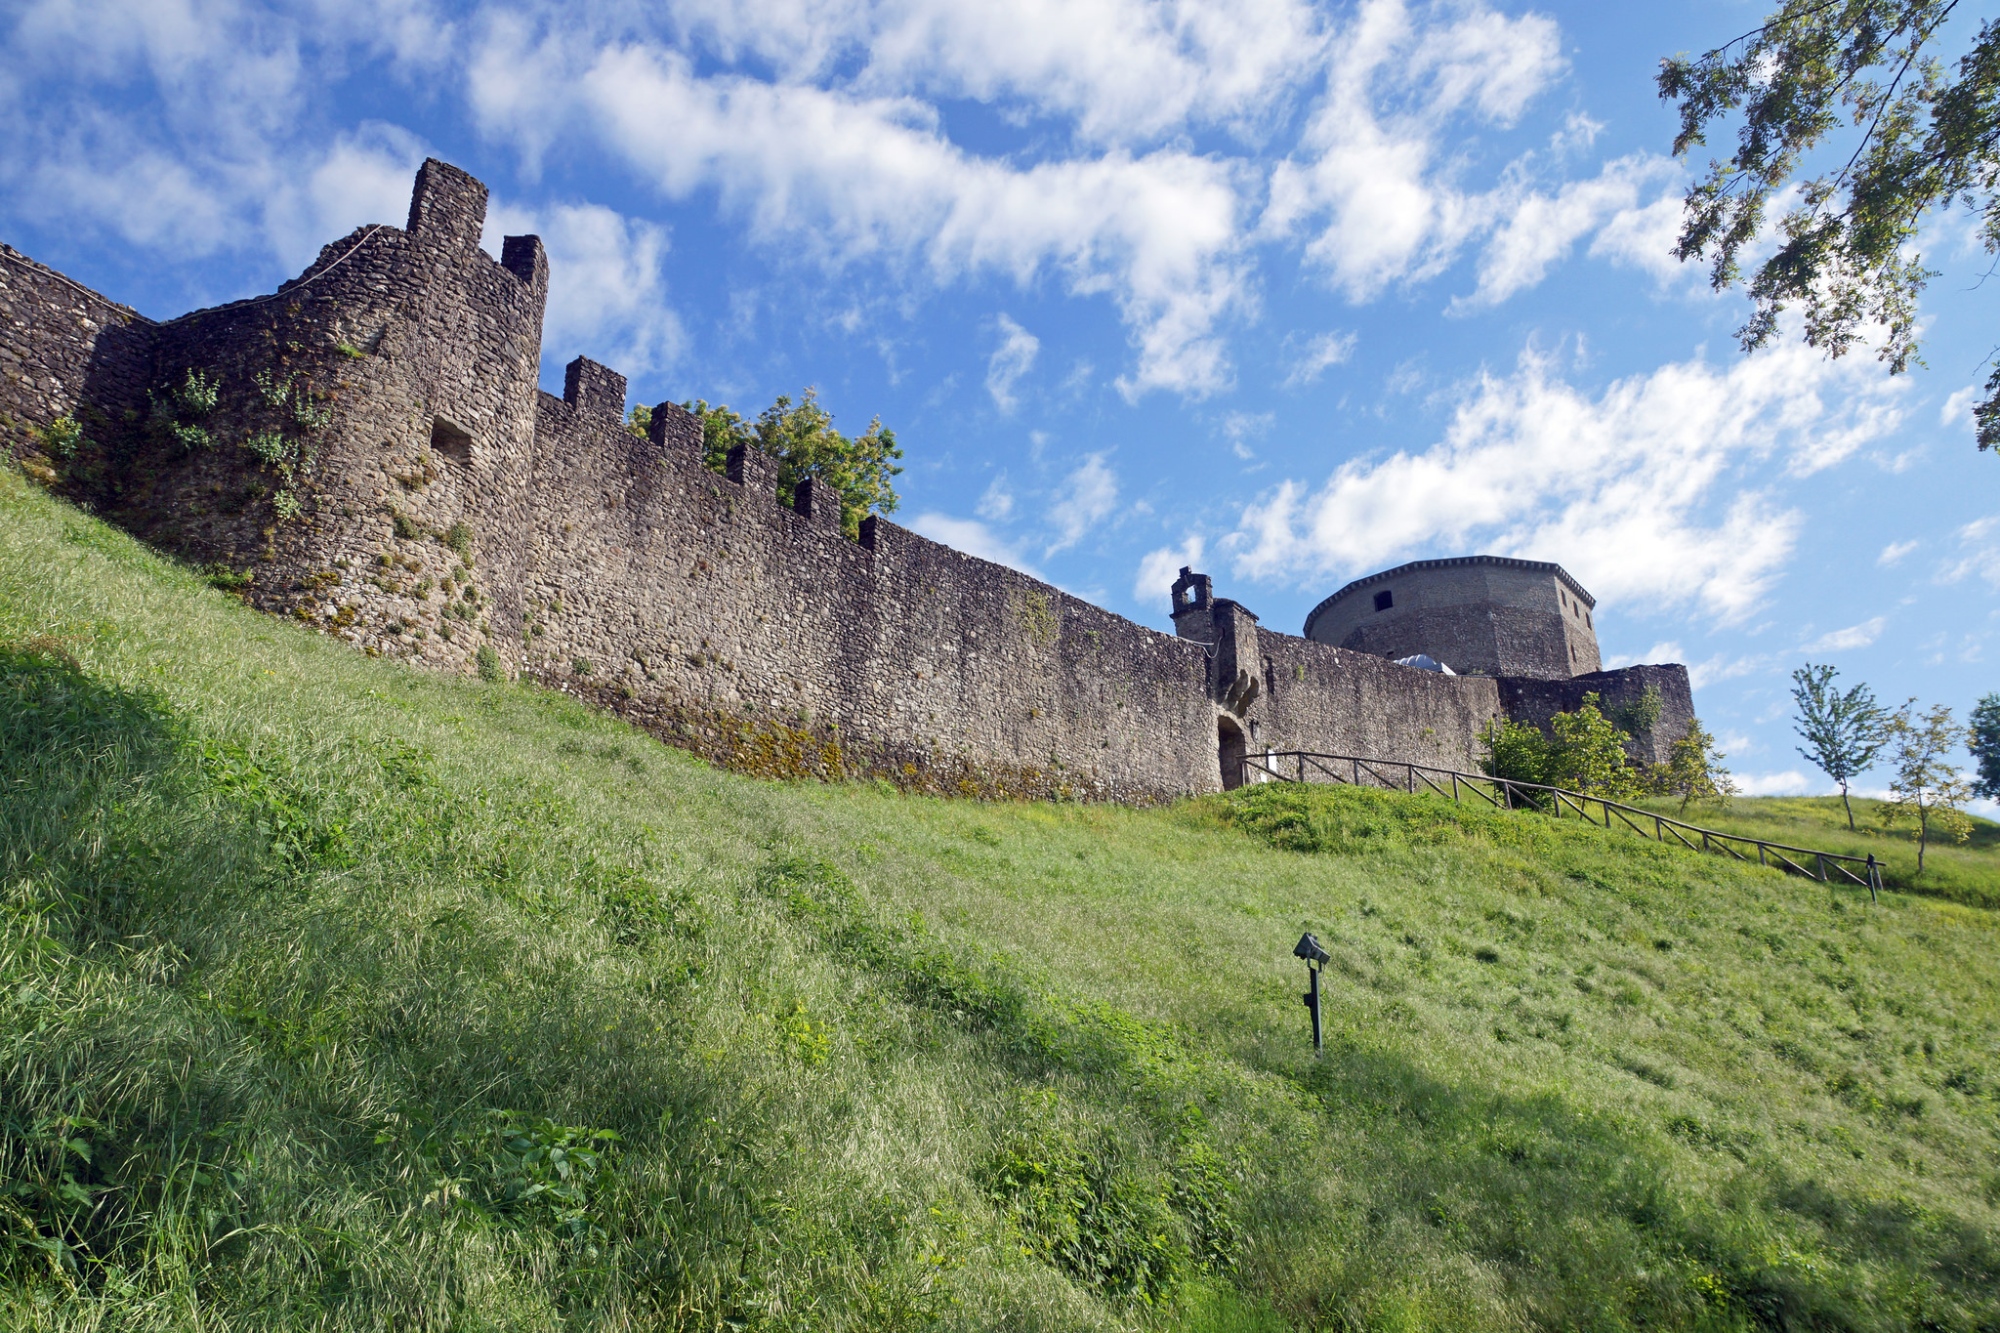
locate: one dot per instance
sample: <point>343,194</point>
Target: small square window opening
<point>1384,600</point>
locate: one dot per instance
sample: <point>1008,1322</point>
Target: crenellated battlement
<point>367,451</point>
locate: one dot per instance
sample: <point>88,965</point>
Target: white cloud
<point>1088,496</point>
<point>1641,491</point>
<point>1121,70</point>
<point>1979,548</point>
<point>1542,228</point>
<point>1012,359</point>
<point>607,285</point>
<point>845,179</point>
<point>1158,570</point>
<point>998,502</point>
<point>1958,407</point>
<point>1372,177</point>
<point>1667,650</point>
<point>973,538</point>
<point>1315,356</point>
<point>1843,640</point>
<point>1239,428</point>
<point>1895,551</point>
<point>1791,782</point>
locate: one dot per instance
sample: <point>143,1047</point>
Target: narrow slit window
<point>1384,600</point>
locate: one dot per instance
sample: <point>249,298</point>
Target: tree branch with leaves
<point>1863,83</point>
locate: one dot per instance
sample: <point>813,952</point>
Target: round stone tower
<point>1484,615</point>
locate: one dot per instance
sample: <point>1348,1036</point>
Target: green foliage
<point>1984,743</point>
<point>487,662</point>
<point>861,469</point>
<point>1515,750</point>
<point>1638,717</point>
<point>1925,788</point>
<point>639,420</point>
<point>459,537</point>
<point>285,503</point>
<point>721,431</point>
<point>197,394</point>
<point>1587,753</point>
<point>176,415</point>
<point>270,446</point>
<point>1843,732</point>
<point>405,527</point>
<point>1693,770</point>
<point>62,437</point>
<point>1913,134</point>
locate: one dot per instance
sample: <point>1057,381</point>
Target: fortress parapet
<point>367,451</point>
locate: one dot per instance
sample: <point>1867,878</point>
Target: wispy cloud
<point>1012,359</point>
<point>1158,570</point>
<point>1844,640</point>
<point>973,538</point>
<point>1087,497</point>
<point>1895,551</point>
<point>1315,355</point>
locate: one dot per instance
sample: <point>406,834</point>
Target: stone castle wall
<point>380,464</point>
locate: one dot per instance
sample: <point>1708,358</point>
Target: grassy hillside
<point>1967,872</point>
<point>338,996</point>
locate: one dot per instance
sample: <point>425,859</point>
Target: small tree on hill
<point>1985,747</point>
<point>1842,732</point>
<point>1693,770</point>
<point>1924,788</point>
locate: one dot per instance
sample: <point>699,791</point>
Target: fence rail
<point>1509,794</point>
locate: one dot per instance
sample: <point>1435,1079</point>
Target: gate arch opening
<point>1230,748</point>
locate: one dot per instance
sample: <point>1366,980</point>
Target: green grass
<point>1967,872</point>
<point>338,996</point>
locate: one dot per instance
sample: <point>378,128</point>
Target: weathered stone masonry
<point>379,463</point>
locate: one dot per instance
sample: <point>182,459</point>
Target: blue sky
<point>1291,292</point>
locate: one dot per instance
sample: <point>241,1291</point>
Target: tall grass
<point>339,996</point>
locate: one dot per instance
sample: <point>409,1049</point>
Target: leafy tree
<point>721,431</point>
<point>1985,747</point>
<point>1864,79</point>
<point>1842,732</point>
<point>1693,770</point>
<point>1925,789</point>
<point>861,469</point>
<point>1587,752</point>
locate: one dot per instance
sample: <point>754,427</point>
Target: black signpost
<point>1315,958</point>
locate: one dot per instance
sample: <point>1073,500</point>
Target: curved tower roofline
<point>1450,562</point>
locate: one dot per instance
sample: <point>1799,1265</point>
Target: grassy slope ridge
<point>333,994</point>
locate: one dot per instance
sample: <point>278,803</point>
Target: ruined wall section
<point>1536,701</point>
<point>700,607</point>
<point>371,420</point>
<point>65,351</point>
<point>1339,701</point>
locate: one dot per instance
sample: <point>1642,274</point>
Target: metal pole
<point>1311,998</point>
<point>1874,877</point>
